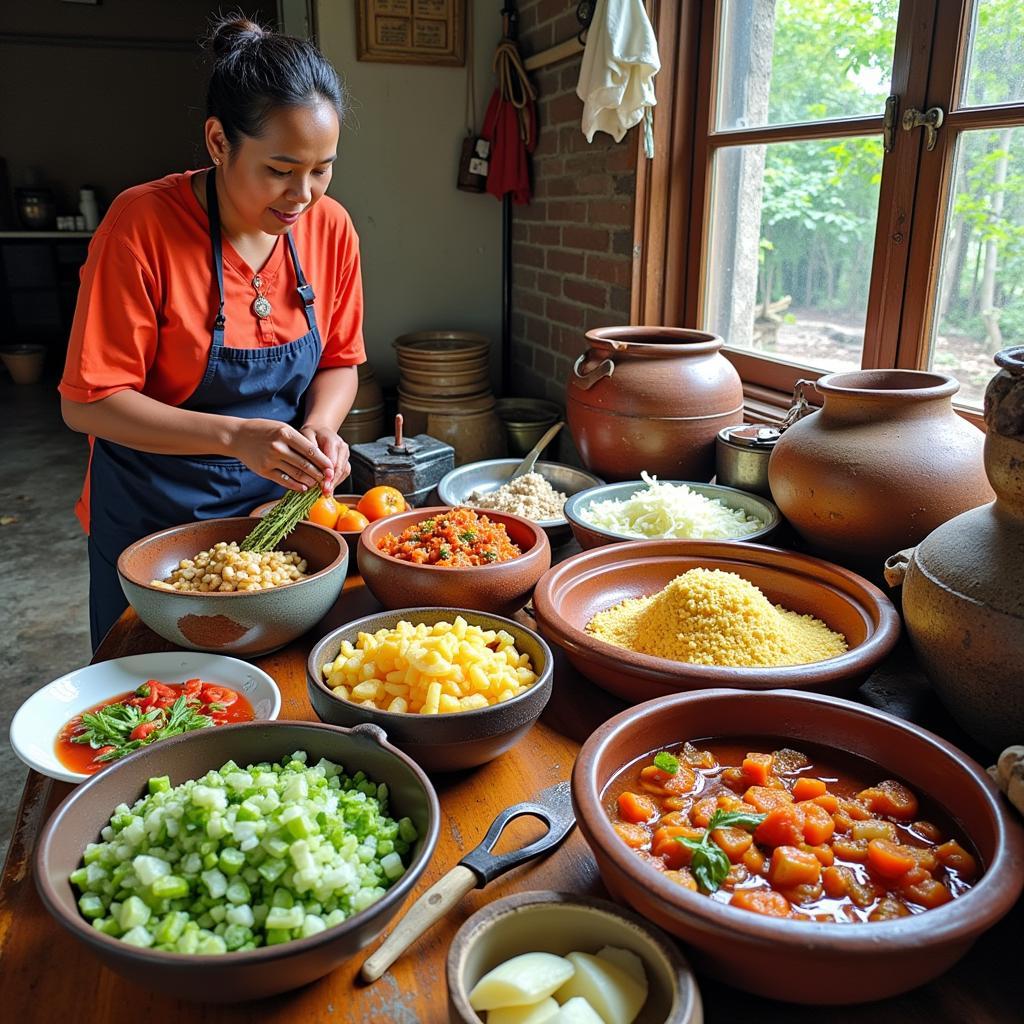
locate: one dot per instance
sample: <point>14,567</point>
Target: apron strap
<point>304,289</point>
<point>213,212</point>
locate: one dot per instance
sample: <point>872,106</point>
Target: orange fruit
<point>382,501</point>
<point>351,520</point>
<point>325,512</point>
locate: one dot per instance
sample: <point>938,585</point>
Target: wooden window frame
<point>674,189</point>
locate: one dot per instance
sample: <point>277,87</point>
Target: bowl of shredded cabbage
<point>653,509</point>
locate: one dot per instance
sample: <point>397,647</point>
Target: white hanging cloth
<point>620,61</point>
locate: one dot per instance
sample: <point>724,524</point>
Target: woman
<point>219,323</point>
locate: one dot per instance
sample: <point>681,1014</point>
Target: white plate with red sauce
<point>39,722</point>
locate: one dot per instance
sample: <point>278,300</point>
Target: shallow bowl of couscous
<point>453,689</point>
<point>241,622</point>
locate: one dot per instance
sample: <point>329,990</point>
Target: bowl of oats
<point>539,496</point>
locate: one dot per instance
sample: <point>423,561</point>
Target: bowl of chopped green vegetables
<point>235,863</point>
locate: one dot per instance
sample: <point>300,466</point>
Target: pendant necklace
<point>261,304</point>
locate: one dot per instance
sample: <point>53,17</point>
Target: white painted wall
<point>431,254</point>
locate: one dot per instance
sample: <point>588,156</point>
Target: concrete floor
<point>45,581</point>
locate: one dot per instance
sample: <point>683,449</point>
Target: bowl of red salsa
<point>96,715</point>
<point>782,828</point>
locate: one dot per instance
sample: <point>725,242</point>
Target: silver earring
<point>216,160</point>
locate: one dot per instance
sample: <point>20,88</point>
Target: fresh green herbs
<point>710,865</point>
<point>667,762</point>
<point>468,536</point>
<point>124,728</point>
<point>281,520</point>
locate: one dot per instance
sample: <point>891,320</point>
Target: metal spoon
<point>479,867</point>
<point>526,466</point>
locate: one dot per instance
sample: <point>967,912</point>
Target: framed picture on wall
<point>411,31</point>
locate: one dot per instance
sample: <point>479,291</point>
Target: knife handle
<point>423,914</point>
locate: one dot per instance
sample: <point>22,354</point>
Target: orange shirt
<point>148,296</point>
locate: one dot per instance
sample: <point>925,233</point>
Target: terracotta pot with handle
<point>651,398</point>
<point>963,585</point>
<point>883,463</point>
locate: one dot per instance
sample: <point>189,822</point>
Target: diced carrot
<point>765,798</point>
<point>889,909</point>
<point>728,802</point>
<point>633,835</point>
<point>927,831</point>
<point>636,808</point>
<point>955,857</point>
<point>734,779</point>
<point>818,824</point>
<point>754,860</point>
<point>829,801</point>
<point>890,798</point>
<point>925,857</point>
<point>758,768</point>
<point>674,854</point>
<point>701,811</point>
<point>737,875</point>
<point>659,783</point>
<point>734,841</point>
<point>782,826</point>
<point>682,877</point>
<point>836,881</point>
<point>791,866</point>
<point>822,851</point>
<point>874,828</point>
<point>806,892</point>
<point>843,822</point>
<point>889,859</point>
<point>762,901</point>
<point>807,788</point>
<point>854,809</point>
<point>928,892</point>
<point>674,818</point>
<point>676,803</point>
<point>850,849</point>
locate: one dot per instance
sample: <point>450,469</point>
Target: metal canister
<point>741,456</point>
<point>413,465</point>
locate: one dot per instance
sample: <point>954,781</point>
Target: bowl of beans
<point>453,688</point>
<point>194,585</point>
<point>539,496</point>
<point>454,557</point>
<point>782,828</point>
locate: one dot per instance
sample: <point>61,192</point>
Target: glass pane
<point>995,59</point>
<point>792,234</point>
<point>795,61</point>
<point>981,275</point>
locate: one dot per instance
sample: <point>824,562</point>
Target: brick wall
<point>572,245</point>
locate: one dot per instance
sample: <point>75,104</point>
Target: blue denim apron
<point>135,493</point>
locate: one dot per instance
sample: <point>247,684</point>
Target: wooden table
<point>46,976</point>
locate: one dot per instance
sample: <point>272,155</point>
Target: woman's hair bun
<point>229,35</point>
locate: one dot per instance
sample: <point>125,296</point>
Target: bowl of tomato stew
<point>462,558</point>
<point>774,828</point>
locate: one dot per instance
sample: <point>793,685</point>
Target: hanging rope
<point>514,85</point>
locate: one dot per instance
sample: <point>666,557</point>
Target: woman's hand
<point>278,452</point>
<point>332,446</point>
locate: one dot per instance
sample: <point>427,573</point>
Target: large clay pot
<point>963,590</point>
<point>651,398</point>
<point>883,463</point>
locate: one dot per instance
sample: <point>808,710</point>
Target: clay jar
<point>883,463</point>
<point>651,398</point>
<point>963,592</point>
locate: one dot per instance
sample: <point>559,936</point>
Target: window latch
<point>892,106</point>
<point>931,120</point>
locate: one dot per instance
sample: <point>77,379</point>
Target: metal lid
<point>750,435</point>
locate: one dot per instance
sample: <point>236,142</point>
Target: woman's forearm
<point>137,421</point>
<point>330,396</point>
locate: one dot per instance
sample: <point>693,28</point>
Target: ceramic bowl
<point>839,963</point>
<point>448,742</point>
<point>247,624</point>
<point>38,721</point>
<point>351,536</point>
<point>455,487</point>
<point>590,536</point>
<point>560,923</point>
<point>268,970</point>
<point>572,592</point>
<point>502,587</point>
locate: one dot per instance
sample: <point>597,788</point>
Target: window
<point>821,230</point>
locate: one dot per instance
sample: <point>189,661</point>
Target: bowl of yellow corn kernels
<point>452,688</point>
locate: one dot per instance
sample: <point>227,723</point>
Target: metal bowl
<point>590,536</point>
<point>455,487</point>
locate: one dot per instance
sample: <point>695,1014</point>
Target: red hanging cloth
<point>510,125</point>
